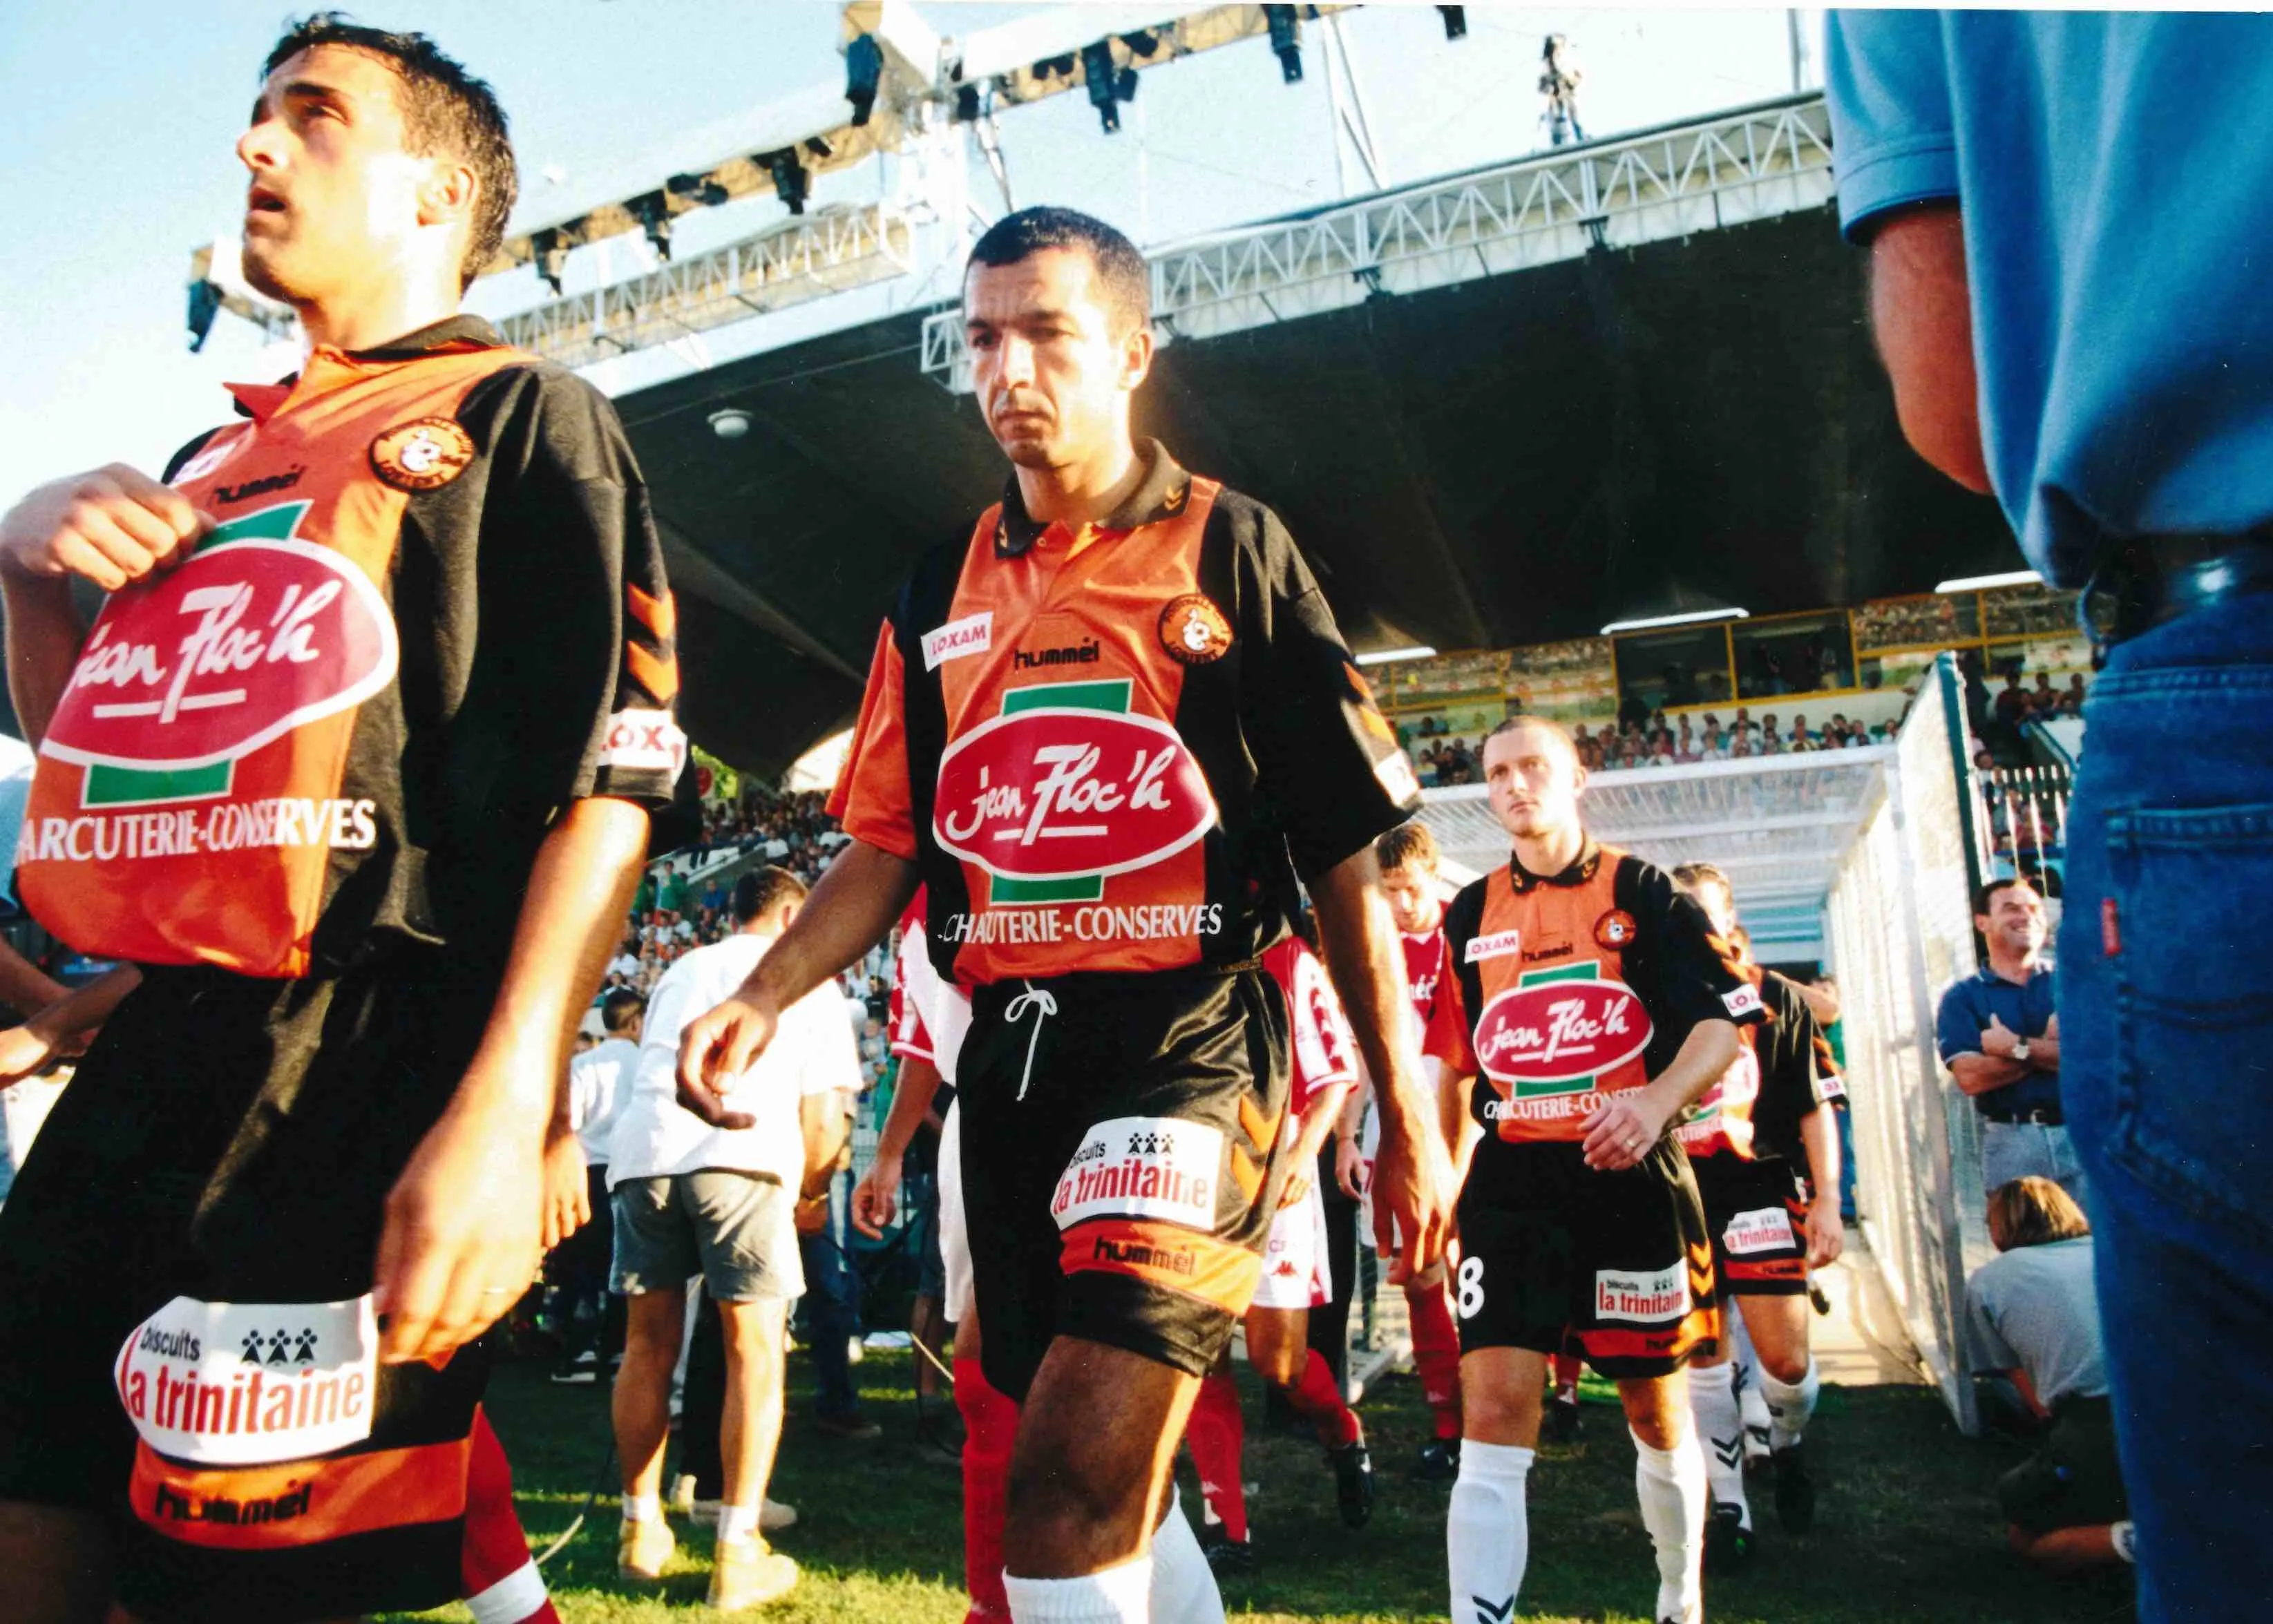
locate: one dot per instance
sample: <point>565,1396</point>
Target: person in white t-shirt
<point>720,1201</point>
<point>599,1083</point>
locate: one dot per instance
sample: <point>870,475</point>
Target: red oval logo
<point>1065,794</point>
<point>246,641</point>
<point>1560,1032</point>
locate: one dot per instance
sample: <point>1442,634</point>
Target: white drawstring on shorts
<point>1044,1005</point>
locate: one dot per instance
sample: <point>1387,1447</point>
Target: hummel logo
<point>1730,1450</point>
<point>1493,1612</point>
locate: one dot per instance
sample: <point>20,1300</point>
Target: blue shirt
<point>2115,174</point>
<point>2026,1010</point>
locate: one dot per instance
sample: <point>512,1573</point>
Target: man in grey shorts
<point>719,1201</point>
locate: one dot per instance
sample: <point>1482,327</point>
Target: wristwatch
<point>2021,1050</point>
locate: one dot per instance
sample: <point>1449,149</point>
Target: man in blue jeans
<point>2000,1037</point>
<point>2067,217</point>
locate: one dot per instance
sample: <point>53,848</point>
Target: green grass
<point>1906,1528</point>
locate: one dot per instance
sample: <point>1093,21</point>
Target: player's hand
<point>1826,1233</point>
<point>111,525</point>
<point>1622,1131</point>
<point>567,1192</point>
<point>876,1198</point>
<point>1997,1040</point>
<point>1297,1185</point>
<point>23,1051</point>
<point>461,1239</point>
<point>1349,1168</point>
<point>716,1050</point>
<point>1412,1196</point>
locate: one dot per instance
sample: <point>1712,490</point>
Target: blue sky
<point>122,119</point>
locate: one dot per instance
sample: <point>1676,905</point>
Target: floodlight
<point>864,71</point>
<point>552,257</point>
<point>792,183</point>
<point>1285,25</point>
<point>1097,71</point>
<point>1456,21</point>
<point>205,304</point>
<point>1987,583</point>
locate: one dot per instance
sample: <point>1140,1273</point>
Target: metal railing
<point>2022,819</point>
<point>1727,169</point>
<point>831,251</point>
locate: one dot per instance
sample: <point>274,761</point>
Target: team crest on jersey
<point>1616,931</point>
<point>422,454</point>
<point>1194,630</point>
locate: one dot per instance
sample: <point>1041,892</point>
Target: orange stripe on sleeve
<point>659,615</point>
<point>659,678</point>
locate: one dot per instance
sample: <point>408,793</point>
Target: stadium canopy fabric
<point>1518,459</point>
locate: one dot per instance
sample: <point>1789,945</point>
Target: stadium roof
<point>1516,458</point>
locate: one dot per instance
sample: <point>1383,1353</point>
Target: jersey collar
<point>1582,869</point>
<point>261,402</point>
<point>1161,494</point>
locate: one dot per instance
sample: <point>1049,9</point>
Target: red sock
<point>1319,1402</point>
<point>501,1583</point>
<point>1217,1436</point>
<point>990,1426</point>
<point>1566,1372</point>
<point>1436,1353</point>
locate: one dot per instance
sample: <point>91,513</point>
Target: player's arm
<point>1362,954</point>
<point>464,1222</point>
<point>1822,1002</point>
<point>1319,1118</point>
<point>1621,1132</point>
<point>876,1199</point>
<point>26,1048</point>
<point>25,987</point>
<point>1827,1231</point>
<point>110,527</point>
<point>855,903</point>
<point>589,685</point>
<point>1349,1161</point>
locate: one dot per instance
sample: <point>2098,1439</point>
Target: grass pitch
<point>1906,1530</point>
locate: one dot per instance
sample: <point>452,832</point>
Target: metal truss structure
<point>1752,163</point>
<point>1779,826</point>
<point>803,258</point>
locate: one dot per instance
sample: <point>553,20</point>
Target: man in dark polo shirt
<point>2000,1040</point>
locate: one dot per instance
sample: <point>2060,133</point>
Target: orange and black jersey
<point>433,614</point>
<point>1575,986</point>
<point>1115,747</point>
<point>1784,1073</point>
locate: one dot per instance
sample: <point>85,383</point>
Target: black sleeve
<point>1789,1080</point>
<point>585,627</point>
<point>1329,762</point>
<point>1693,976</point>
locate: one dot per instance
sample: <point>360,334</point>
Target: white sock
<point>1789,1407</point>
<point>642,1507</point>
<point>1183,1584</point>
<point>738,1522</point>
<point>1721,1427</point>
<point>1670,1483</point>
<point>1120,1594</point>
<point>1488,1532</point>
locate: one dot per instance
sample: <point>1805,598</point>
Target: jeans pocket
<point>2193,1005</point>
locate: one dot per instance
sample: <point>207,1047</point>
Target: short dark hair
<point>1122,276</point>
<point>1409,845</point>
<point>446,112</point>
<point>1526,720</point>
<point>762,890</point>
<point>621,1010</point>
<point>1986,898</point>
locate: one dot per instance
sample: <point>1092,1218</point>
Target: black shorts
<point>211,1184</point>
<point>2074,1480</point>
<point>1756,1211</point>
<point>1126,1197</point>
<point>1558,1258</point>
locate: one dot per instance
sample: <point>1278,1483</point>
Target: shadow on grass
<point>1906,1530</point>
